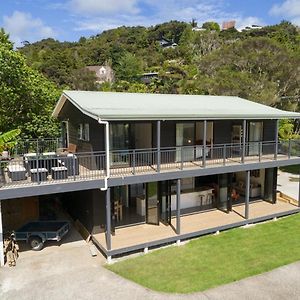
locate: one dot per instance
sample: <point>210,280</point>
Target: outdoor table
<point>39,174</point>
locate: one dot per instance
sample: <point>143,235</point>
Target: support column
<point>204,143</point>
<point>1,240</point>
<point>244,140</point>
<point>276,140</point>
<point>108,219</point>
<point>158,146</point>
<point>299,193</point>
<point>178,206</point>
<point>247,193</point>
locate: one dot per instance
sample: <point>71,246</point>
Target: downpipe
<point>106,152</point>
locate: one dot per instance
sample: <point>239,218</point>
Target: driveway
<point>69,271</point>
<point>288,184</point>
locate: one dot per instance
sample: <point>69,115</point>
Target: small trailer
<point>38,232</point>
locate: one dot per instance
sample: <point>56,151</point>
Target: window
<point>84,132</point>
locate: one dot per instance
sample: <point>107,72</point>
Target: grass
<point>214,260</point>
<point>293,169</point>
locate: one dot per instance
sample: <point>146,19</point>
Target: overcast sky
<point>33,20</point>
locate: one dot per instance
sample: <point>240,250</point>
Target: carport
<point>86,206</point>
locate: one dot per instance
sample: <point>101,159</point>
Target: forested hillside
<point>260,64</point>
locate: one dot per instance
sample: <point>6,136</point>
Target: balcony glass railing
<point>40,166</point>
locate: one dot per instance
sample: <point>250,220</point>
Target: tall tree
<point>26,97</point>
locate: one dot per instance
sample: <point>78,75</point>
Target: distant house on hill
<point>198,29</point>
<point>146,78</point>
<point>252,27</point>
<point>228,25</point>
<point>103,73</point>
<point>165,43</point>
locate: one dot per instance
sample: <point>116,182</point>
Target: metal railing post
<point>133,162</point>
<point>259,151</point>
<point>181,153</point>
<point>224,154</point>
<point>158,146</point>
<point>244,141</point>
<point>276,140</point>
<point>37,169</point>
<point>204,143</point>
<point>247,194</point>
<point>74,167</point>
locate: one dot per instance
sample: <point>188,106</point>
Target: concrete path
<point>70,272</point>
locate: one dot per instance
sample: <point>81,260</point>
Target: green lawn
<point>294,169</point>
<point>214,260</point>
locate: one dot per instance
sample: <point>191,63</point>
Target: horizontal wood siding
<point>222,131</point>
<point>168,134</point>
<point>74,117</point>
<point>269,130</point>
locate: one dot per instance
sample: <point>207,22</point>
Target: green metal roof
<point>136,106</point>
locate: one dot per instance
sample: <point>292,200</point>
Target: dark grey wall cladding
<point>88,207</point>
<point>98,211</point>
<point>70,113</point>
<point>168,134</point>
<point>222,131</point>
<point>269,130</point>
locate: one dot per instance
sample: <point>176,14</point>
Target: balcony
<point>38,162</point>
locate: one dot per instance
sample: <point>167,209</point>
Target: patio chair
<point>72,148</point>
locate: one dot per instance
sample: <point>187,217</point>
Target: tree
<point>8,139</point>
<point>129,67</point>
<point>287,130</point>
<point>83,79</point>
<point>211,26</point>
<point>26,97</point>
<point>194,23</point>
<point>259,69</point>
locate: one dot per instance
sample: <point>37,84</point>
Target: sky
<point>68,20</point>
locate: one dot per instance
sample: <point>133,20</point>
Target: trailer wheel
<point>36,243</point>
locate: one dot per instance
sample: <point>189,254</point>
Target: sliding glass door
<point>119,143</point>
<point>255,136</point>
<point>223,203</point>
<point>152,203</point>
<point>185,136</point>
<point>165,206</point>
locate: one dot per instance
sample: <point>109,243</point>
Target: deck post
<point>299,192</point>
<point>108,219</point>
<point>276,139</point>
<point>224,155</point>
<point>244,140</point>
<point>204,143</point>
<point>259,151</point>
<point>158,146</point>
<point>178,206</point>
<point>247,193</point>
<point>133,161</point>
<point>1,240</point>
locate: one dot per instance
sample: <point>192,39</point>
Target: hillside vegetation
<point>262,65</point>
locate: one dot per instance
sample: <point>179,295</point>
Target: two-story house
<point>145,170</point>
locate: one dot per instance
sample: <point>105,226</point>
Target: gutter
<point>106,152</point>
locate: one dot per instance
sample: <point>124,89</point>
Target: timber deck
<point>144,235</point>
